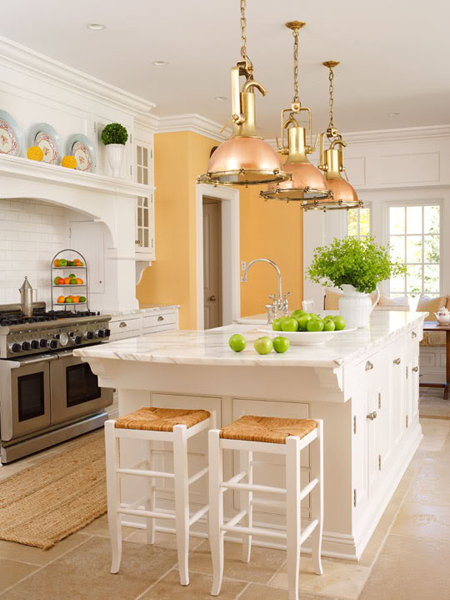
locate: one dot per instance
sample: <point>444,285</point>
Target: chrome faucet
<point>280,302</point>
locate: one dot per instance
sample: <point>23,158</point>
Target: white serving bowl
<point>305,338</point>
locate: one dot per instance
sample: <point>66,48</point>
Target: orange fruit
<point>56,262</point>
<point>67,280</point>
<point>61,299</point>
<point>76,299</point>
<point>79,281</point>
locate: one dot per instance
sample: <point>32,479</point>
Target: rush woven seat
<point>267,429</point>
<point>161,419</point>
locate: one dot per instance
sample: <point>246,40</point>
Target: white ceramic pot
<point>356,307</point>
<point>114,152</point>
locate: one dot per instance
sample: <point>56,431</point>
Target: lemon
<point>70,162</point>
<point>35,153</point>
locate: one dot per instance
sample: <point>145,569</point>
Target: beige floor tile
<point>11,572</point>
<point>199,588</point>
<point>436,432</point>
<point>424,521</point>
<point>100,527</point>
<point>163,540</point>
<point>434,404</point>
<point>340,578</point>
<point>263,565</point>
<point>36,556</point>
<point>424,491</point>
<point>410,569</point>
<point>264,592</point>
<point>379,535</point>
<point>83,574</point>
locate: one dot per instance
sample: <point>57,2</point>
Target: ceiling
<point>394,54</point>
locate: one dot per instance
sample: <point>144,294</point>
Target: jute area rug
<point>48,502</point>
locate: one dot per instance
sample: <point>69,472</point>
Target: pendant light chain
<point>296,96</point>
<point>243,35</point>
<point>330,79</point>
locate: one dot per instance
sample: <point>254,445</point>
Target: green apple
<point>289,325</point>
<point>339,322</point>
<point>329,325</point>
<point>281,344</point>
<point>237,342</point>
<point>263,345</point>
<point>302,321</point>
<point>315,325</point>
<point>297,313</point>
<point>276,325</point>
<point>62,263</point>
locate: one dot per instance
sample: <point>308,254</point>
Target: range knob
<point>53,344</point>
<point>43,343</point>
<point>78,339</point>
<point>101,333</point>
<point>89,335</point>
<point>16,347</point>
<point>107,332</point>
<point>35,344</point>
<point>25,346</point>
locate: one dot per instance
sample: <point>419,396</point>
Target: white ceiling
<point>393,53</point>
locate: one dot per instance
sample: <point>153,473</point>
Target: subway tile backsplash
<point>31,233</point>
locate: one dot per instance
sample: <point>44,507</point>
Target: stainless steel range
<point>46,394</point>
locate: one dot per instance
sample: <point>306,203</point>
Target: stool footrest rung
<point>145,473</point>
<point>269,503</point>
<point>308,488</point>
<point>237,518</point>
<point>198,515</point>
<point>198,475</point>
<point>150,514</point>
<point>308,531</point>
<point>251,487</point>
<point>254,531</point>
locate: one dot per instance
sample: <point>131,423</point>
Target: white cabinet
<point>143,323</point>
<point>145,206</point>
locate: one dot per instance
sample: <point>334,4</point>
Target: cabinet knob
<point>212,298</point>
<point>373,415</point>
<point>160,318</point>
<point>397,361</point>
<point>415,369</point>
<point>123,324</point>
<point>369,366</point>
<point>413,334</point>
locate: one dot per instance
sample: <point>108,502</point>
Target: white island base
<point>364,385</point>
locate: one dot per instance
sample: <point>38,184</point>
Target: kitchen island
<point>364,385</point>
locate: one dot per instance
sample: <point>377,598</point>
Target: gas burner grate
<point>42,317</point>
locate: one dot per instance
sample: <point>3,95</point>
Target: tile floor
<point>407,557</point>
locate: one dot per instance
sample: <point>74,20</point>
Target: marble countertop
<point>145,308</point>
<point>211,347</point>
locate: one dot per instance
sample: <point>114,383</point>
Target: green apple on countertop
<point>263,345</point>
<point>303,321</point>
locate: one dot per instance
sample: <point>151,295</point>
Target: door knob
<point>397,361</point>
<point>212,298</point>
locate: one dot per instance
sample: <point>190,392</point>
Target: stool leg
<point>113,493</point>
<point>293,514</point>
<point>246,459</point>
<point>316,457</point>
<point>180,459</point>
<point>151,523</point>
<point>215,459</point>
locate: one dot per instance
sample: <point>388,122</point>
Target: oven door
<point>74,389</point>
<point>26,404</point>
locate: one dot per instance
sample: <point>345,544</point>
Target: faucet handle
<point>286,295</point>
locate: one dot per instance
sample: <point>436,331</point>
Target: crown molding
<point>32,63</point>
<point>398,135</point>
<point>192,122</point>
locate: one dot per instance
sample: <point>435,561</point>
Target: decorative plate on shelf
<point>10,135</point>
<point>44,136</point>
<point>81,147</point>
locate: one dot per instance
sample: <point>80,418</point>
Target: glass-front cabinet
<point>145,217</point>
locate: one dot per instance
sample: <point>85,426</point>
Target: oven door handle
<point>37,359</point>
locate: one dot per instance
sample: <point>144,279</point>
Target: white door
<point>212,263</point>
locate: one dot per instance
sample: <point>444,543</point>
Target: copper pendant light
<point>307,182</point>
<point>332,163</point>
<point>245,158</point>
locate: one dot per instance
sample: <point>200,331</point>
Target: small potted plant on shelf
<point>114,137</point>
<point>356,267</point>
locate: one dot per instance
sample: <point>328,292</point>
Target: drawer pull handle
<point>397,361</point>
<point>415,369</point>
<point>123,324</point>
<point>160,318</point>
<point>413,334</point>
<point>369,366</point>
<point>372,416</point>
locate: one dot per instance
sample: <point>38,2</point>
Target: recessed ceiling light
<point>96,26</point>
<point>160,63</point>
<point>220,98</point>
<point>394,114</point>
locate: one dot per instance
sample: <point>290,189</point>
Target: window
<point>414,236</point>
<point>358,223</point>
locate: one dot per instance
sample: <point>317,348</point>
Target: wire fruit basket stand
<point>69,272</point>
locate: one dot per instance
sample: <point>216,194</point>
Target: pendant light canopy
<point>245,158</point>
<point>332,163</point>
<point>307,183</point>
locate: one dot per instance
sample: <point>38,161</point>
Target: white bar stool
<point>155,425</point>
<point>276,436</point>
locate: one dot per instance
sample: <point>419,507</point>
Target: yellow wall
<point>179,158</point>
<point>268,229</point>
<point>272,230</point>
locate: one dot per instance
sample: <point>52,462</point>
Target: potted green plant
<point>356,267</point>
<point>114,137</point>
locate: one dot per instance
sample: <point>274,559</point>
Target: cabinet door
<point>397,391</point>
<point>412,386</point>
<point>145,218</point>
